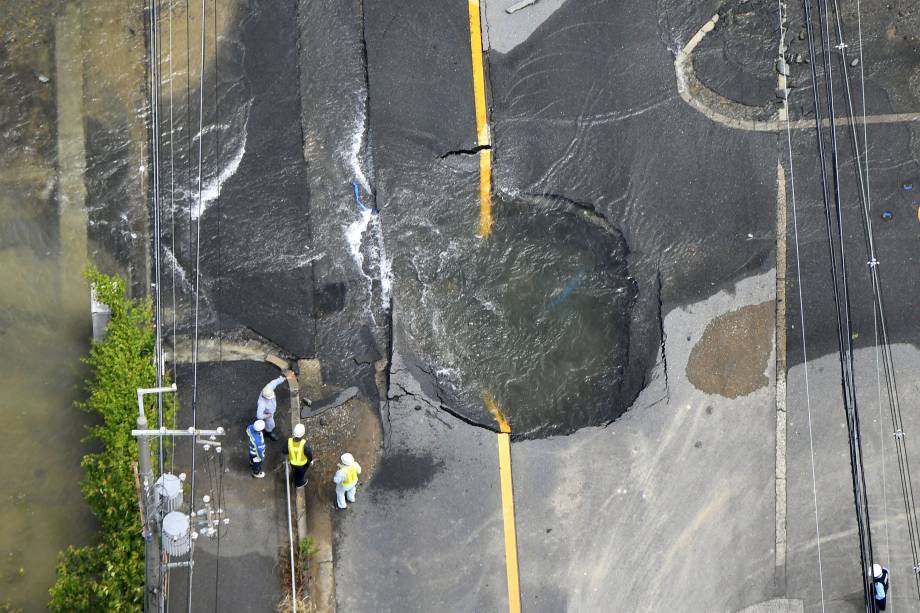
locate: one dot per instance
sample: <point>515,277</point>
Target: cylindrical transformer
<point>169,491</point>
<point>177,538</point>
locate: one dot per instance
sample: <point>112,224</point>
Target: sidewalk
<point>246,576</point>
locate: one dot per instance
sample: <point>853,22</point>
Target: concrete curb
<point>781,415</point>
<point>689,88</point>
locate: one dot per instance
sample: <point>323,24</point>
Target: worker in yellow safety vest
<point>346,480</point>
<point>299,455</point>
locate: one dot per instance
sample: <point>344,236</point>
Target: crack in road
<point>472,151</point>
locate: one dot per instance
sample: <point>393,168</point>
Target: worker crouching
<point>346,480</point>
<point>256,448</point>
<point>299,455</point>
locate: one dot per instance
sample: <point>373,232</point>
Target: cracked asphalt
<point>636,515</point>
<point>654,486</point>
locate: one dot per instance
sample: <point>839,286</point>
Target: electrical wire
<point>191,567</point>
<point>220,467</point>
<point>843,318</point>
<point>165,582</point>
<point>154,65</point>
<point>798,269</point>
<point>879,315</point>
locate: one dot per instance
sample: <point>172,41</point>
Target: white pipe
<point>189,432</point>
<point>287,485</point>
<point>141,391</point>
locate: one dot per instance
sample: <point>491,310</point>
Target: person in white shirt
<point>266,405</point>
<point>346,480</point>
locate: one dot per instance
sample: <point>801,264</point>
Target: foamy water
<point>210,191</point>
<point>376,264</point>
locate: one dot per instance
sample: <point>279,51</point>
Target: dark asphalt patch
<point>404,471</point>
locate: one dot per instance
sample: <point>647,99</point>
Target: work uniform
<point>880,590</point>
<point>300,456</point>
<point>346,482</point>
<point>265,407</point>
<point>256,449</point>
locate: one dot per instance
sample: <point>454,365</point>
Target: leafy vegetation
<point>109,575</point>
<point>307,549</point>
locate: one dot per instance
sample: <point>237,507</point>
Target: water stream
<point>72,130</point>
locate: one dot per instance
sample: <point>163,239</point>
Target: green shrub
<point>109,575</point>
<point>307,549</point>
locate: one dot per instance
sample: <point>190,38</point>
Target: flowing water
<point>535,318</point>
<point>71,126</point>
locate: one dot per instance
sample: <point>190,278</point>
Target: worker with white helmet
<point>346,480</point>
<point>266,405</point>
<point>880,586</point>
<point>256,448</point>
<point>299,455</point>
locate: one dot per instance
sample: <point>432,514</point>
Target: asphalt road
<point>640,513</point>
<point>673,506</point>
<point>678,504</point>
<point>241,571</point>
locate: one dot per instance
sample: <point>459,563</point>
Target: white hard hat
<point>299,431</point>
<point>268,392</point>
<point>347,459</point>
<point>877,571</point>
<point>259,425</point>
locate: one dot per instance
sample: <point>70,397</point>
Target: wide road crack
<point>473,151</point>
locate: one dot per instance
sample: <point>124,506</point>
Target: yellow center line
<point>511,562</point>
<point>485,228</point>
<point>482,122</point>
<point>485,192</point>
<point>504,472</point>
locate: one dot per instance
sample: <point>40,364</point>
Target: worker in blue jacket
<point>256,447</point>
<point>880,586</point>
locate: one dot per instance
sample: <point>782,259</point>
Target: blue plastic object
<point>567,291</point>
<point>361,205</point>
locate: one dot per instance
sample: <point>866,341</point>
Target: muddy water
<point>44,323</point>
<point>533,321</point>
<point>63,103</point>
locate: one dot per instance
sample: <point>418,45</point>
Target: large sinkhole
<point>536,316</point>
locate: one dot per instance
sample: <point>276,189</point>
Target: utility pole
<point>151,552</point>
<point>160,526</point>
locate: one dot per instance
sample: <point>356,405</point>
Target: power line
<point>798,267</point>
<point>220,467</point>
<point>155,81</point>
<point>879,315</point>
<point>191,567</point>
<point>840,281</point>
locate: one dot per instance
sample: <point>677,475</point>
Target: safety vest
<point>351,475</point>
<point>256,442</point>
<point>295,452</point>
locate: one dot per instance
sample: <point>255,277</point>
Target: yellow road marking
<point>504,472</point>
<point>489,400</point>
<point>485,228</point>
<point>511,563</point>
<point>482,122</point>
<point>485,192</point>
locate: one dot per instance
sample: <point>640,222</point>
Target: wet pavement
<point>621,314</point>
<point>561,127</point>
<point>67,99</point>
<point>241,570</point>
